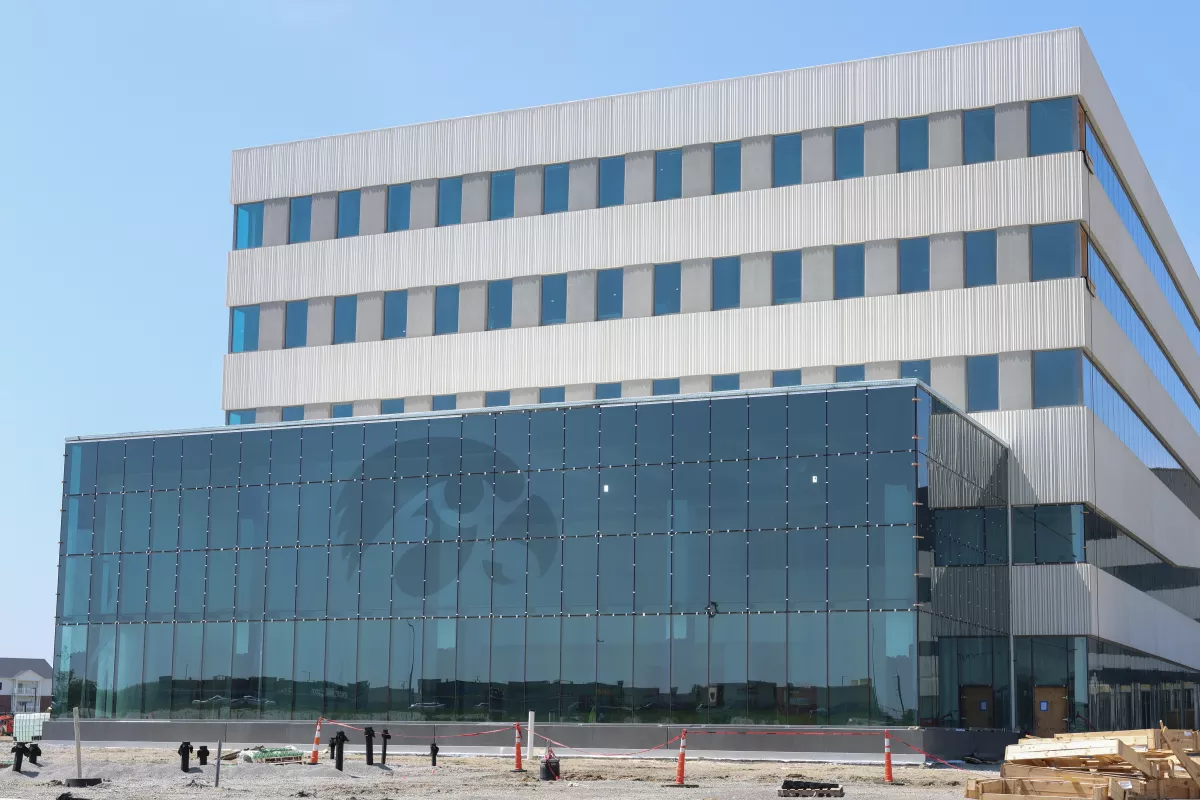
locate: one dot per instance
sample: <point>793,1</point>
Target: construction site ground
<point>146,773</point>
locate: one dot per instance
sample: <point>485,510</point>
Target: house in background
<point>25,685</point>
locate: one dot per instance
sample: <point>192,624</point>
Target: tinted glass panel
<point>503,193</point>
<point>444,402</point>
<point>345,318</point>
<point>492,399</point>
<point>666,289</point>
<point>348,205</point>
<point>849,271</point>
<point>848,152</point>
<point>979,135</point>
<point>243,330</point>
<point>668,174</point>
<point>607,391</point>
<point>913,147</point>
<point>914,265</point>
<point>665,386</point>
<point>1052,126</point>
<point>610,290</point>
<point>295,332</point>
<point>445,315</point>
<point>449,201</point>
<point>785,277</point>
<point>983,383</point>
<point>786,377</point>
<point>249,226</point>
<point>395,314</point>
<point>1054,251</point>
<point>395,406</point>
<point>398,201</point>
<point>980,255</point>
<point>556,188</point>
<point>727,167</point>
<point>726,282</point>
<point>725,383</point>
<point>1057,378</point>
<point>499,297</point>
<point>916,369</point>
<point>300,219</point>
<point>785,169</point>
<point>849,373</point>
<point>554,299</point>
<point>612,181</point>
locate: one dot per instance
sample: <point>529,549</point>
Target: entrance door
<point>1049,710</point>
<point>975,704</point>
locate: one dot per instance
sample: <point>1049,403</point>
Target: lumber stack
<point>1151,764</point>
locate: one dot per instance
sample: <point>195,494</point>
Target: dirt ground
<point>144,774</point>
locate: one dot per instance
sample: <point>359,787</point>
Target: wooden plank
<point>1136,760</point>
<point>994,796</point>
<point>1117,789</point>
<point>1190,766</point>
<point>1049,773</point>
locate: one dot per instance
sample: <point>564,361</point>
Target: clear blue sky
<point>118,120</point>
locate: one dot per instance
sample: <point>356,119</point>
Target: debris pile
<point>272,755</point>
<point>801,788</point>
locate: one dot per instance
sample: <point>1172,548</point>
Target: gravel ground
<point>144,774</point>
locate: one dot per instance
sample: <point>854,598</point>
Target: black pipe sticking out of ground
<point>185,755</point>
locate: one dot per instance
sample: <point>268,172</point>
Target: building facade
<point>25,685</point>
<point>973,223</point>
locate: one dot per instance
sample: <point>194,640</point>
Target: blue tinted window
<point>392,406</point>
<point>1054,251</point>
<point>849,266</point>
<point>785,277</point>
<point>849,373</point>
<point>444,402</point>
<point>666,289</point>
<point>493,399</point>
<point>668,174</point>
<point>345,318</point>
<point>343,410</point>
<point>848,152</point>
<point>445,312</point>
<point>554,299</point>
<point>243,329</point>
<point>300,219</point>
<point>347,221</point>
<point>610,292</point>
<point>727,167</point>
<point>293,413</point>
<point>503,200</point>
<point>499,297</point>
<point>726,283</point>
<point>785,167</point>
<point>556,182</point>
<point>916,369</point>
<point>295,325</point>
<point>913,144</point>
<point>914,265</point>
<point>979,135</point>
<point>552,394</point>
<point>612,181</point>
<point>449,201</point>
<point>726,383</point>
<point>785,377</point>
<point>240,417</point>
<point>395,314</point>
<point>608,391</point>
<point>1052,126</point>
<point>666,386</point>
<point>1057,378</point>
<point>398,203</point>
<point>249,226</point>
<point>980,255</point>
<point>983,383</point>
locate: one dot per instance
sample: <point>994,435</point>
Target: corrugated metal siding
<point>976,197</point>
<point>989,319</point>
<point>1051,456</point>
<point>1029,67</point>
<point>1054,600</point>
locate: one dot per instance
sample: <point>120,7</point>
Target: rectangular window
<point>850,373</point>
<point>449,201</point>
<point>347,213</point>
<point>502,204</point>
<point>295,324</point>
<point>727,167</point>
<point>244,417</point>
<point>552,394</point>
<point>300,219</point>
<point>1052,126</point>
<point>785,377</point>
<point>494,399</point>
<point>445,402</point>
<point>608,391</point>
<point>1054,251</point>
<point>345,318</point>
<point>499,297</point>
<point>445,311</point>
<point>914,265</point>
<point>1057,378</point>
<point>666,386</point>
<point>785,160</point>
<point>666,289</point>
<point>916,369</point>
<point>668,174</point>
<point>398,203</point>
<point>556,182</point>
<point>983,383</point>
<point>785,277</point>
<point>395,314</point>
<point>980,257</point>
<point>293,413</point>
<point>612,181</point>
<point>849,271</point>
<point>341,410</point>
<point>249,227</point>
<point>726,383</point>
<point>554,299</point>
<point>243,329</point>
<point>979,135</point>
<point>913,144</point>
<point>392,406</point>
<point>848,152</point>
<point>726,283</point>
<point>610,293</point>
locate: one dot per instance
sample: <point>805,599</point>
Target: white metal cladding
<point>1135,619</point>
<point>1054,600</point>
<point>1051,456</point>
<point>988,319</point>
<point>1031,67</point>
<point>975,197</point>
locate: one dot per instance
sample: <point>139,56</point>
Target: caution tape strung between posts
<point>506,729</point>
<point>596,753</point>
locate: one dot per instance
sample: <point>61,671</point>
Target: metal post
<point>369,735</point>
<point>1012,644</point>
<point>218,780</point>
<point>78,759</point>
<point>383,747</point>
<point>530,748</point>
<point>433,751</point>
